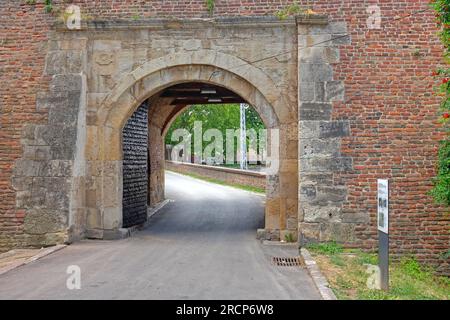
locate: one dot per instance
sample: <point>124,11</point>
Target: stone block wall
<point>320,136</point>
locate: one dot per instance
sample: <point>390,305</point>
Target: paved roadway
<point>201,245</point>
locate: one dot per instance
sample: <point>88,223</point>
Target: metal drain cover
<point>287,261</point>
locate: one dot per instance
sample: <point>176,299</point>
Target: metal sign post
<point>243,138</point>
<point>383,232</point>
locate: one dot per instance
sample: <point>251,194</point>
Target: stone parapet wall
<point>228,175</point>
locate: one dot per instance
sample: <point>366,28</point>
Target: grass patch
<point>346,271</point>
<point>328,248</point>
<point>223,183</point>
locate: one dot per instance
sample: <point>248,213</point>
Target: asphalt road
<point>201,245</point>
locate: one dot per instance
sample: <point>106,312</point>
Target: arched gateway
<point>102,73</point>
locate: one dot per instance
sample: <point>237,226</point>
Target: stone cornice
<point>195,23</point>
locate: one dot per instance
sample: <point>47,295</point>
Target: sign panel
<point>383,205</point>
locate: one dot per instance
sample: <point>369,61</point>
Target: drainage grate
<point>287,261</point>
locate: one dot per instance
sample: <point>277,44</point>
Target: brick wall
<point>228,175</point>
<point>388,101</point>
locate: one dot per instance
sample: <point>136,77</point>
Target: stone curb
<point>319,280</point>
<point>39,255</point>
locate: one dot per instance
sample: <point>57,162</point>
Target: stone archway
<point>104,145</point>
<point>68,180</point>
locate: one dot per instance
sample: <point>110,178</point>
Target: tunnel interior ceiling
<point>191,93</point>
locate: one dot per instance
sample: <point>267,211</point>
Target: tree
<point>221,117</point>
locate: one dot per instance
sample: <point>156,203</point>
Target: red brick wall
<point>394,132</point>
<point>387,75</point>
<point>22,52</point>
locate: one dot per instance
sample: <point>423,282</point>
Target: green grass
<point>346,269</point>
<point>327,248</point>
<point>223,183</point>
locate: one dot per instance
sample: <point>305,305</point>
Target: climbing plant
<point>48,5</point>
<point>441,190</point>
<point>292,10</point>
<point>210,4</point>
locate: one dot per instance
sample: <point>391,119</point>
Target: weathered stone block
<point>45,221</point>
<point>320,164</point>
<point>315,72</point>
<point>23,199</point>
<point>320,147</point>
<point>112,218</point>
<point>327,213</point>
<point>192,44</point>
<point>21,183</point>
<point>38,153</point>
<point>273,185</point>
<point>340,39</point>
<point>308,192</point>
<point>306,91</point>
<point>63,62</point>
<point>314,111</point>
<point>334,91</point>
<point>27,168</point>
<point>52,192</point>
<point>332,193</point>
<point>319,92</point>
<point>62,83</point>
<point>321,55</point>
<point>313,40</point>
<point>65,113</point>
<point>339,232</point>
<point>317,178</point>
<point>94,219</point>
<point>334,129</point>
<point>323,129</point>
<point>56,168</point>
<point>308,232</point>
<point>94,233</point>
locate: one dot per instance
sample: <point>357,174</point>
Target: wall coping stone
<point>223,169</point>
<point>196,23</point>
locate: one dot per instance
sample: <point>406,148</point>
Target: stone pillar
<point>320,197</point>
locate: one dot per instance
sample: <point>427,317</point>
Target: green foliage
<point>221,117</point>
<point>48,6</point>
<point>411,267</point>
<point>441,190</point>
<point>289,237</point>
<point>408,280</point>
<point>30,2</point>
<point>210,4</point>
<point>445,255</point>
<point>292,10</point>
<point>289,10</point>
<point>328,248</point>
<point>337,260</point>
<point>367,258</point>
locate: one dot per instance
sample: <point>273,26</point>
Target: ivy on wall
<point>441,190</point>
<point>210,4</point>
